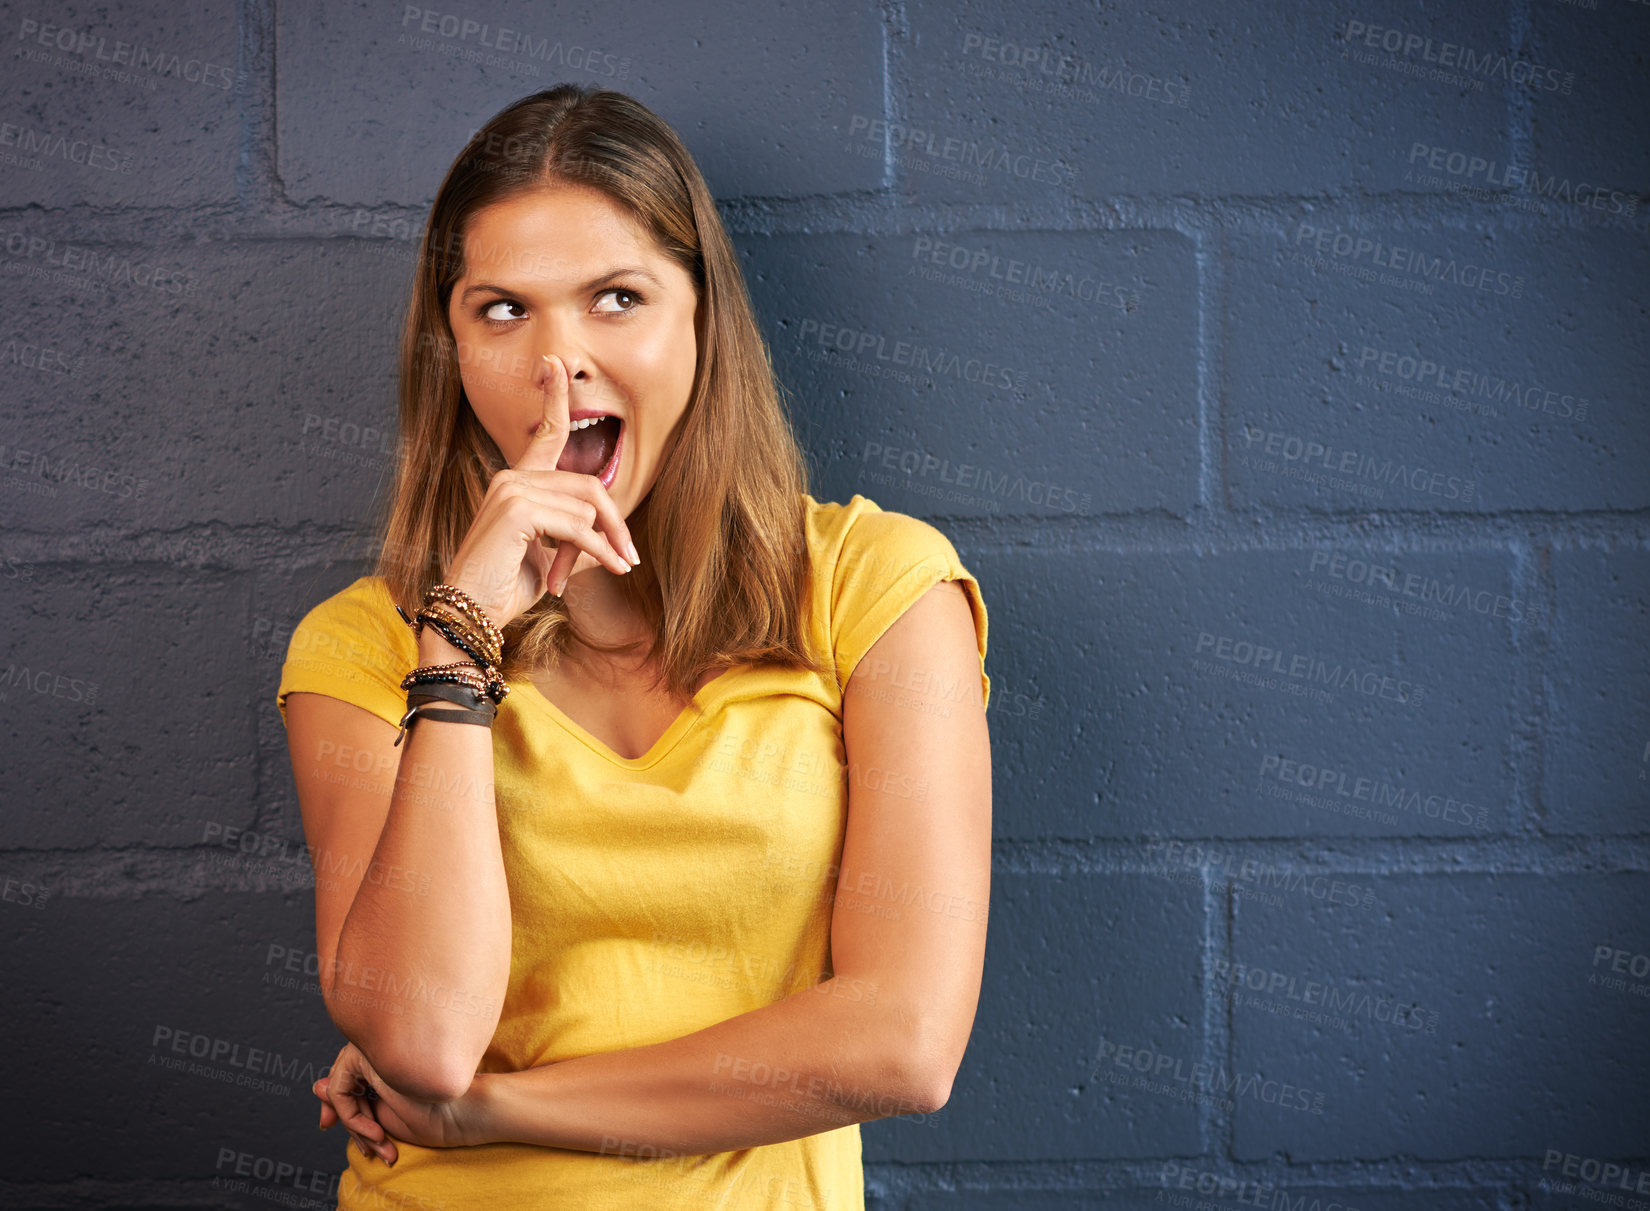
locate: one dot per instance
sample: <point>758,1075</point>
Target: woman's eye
<point>630,297</point>
<point>493,312</point>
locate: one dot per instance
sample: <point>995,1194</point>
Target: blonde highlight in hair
<point>726,579</point>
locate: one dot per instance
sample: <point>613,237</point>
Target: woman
<point>708,887</point>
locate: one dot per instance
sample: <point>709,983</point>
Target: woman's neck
<point>601,611</point>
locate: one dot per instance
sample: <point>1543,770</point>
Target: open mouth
<point>593,448</point>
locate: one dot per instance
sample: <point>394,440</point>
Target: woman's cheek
<point>641,354</point>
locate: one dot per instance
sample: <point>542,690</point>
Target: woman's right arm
<point>412,911</point>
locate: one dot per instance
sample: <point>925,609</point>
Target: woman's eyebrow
<point>607,276</point>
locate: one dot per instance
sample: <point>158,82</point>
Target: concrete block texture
<point>1277,369</point>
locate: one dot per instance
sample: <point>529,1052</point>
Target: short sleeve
<point>886,563</point>
<point>353,646</point>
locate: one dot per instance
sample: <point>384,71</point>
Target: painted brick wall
<point>1278,369</point>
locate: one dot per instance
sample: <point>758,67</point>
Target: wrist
<point>489,603</point>
<point>484,1111</point>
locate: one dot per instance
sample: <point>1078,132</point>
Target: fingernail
<point>630,548</point>
<point>558,589</point>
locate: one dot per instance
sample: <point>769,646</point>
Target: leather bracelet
<point>424,711</point>
<point>464,695</point>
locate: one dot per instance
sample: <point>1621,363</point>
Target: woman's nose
<point>543,369</point>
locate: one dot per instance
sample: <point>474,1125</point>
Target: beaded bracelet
<point>488,643</point>
<point>463,674</point>
<point>477,686</point>
<point>466,604</point>
<point>459,633</point>
<point>445,601</point>
<point>464,643</point>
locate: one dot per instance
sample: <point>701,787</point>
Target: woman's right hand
<point>501,563</point>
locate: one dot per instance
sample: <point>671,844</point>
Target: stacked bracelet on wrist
<point>477,686</point>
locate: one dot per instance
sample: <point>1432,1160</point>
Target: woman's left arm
<point>885,1034</point>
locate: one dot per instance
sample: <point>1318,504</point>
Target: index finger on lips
<point>543,452</point>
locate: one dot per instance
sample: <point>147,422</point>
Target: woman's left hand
<point>354,1094</point>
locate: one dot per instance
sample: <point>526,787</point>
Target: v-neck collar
<point>679,726</point>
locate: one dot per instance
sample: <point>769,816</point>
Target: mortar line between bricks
<point>1144,1172</point>
<point>1520,101</point>
<point>1211,287</point>
<point>256,188</point>
<point>128,873</point>
<point>1532,643</point>
<point>892,14</point>
<point>1398,1175</point>
<point>1215,1124</point>
<point>1317,854</point>
<point>858,213</point>
<point>1136,534</point>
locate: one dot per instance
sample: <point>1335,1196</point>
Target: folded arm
<point>886,1033</point>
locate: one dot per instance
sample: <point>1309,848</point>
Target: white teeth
<point>586,422</point>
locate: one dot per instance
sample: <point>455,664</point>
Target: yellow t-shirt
<point>655,896</point>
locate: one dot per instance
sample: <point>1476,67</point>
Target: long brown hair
<point>725,575</point>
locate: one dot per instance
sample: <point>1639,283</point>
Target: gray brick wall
<point>1322,790</point>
